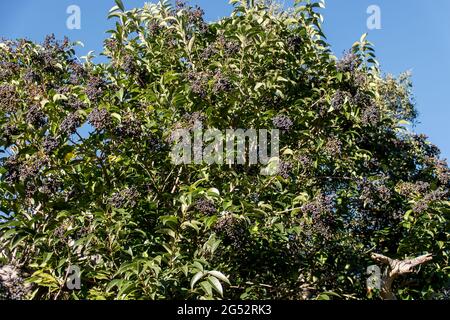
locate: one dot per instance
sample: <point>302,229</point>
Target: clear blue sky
<point>415,35</point>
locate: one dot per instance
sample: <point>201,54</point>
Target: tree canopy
<point>86,178</point>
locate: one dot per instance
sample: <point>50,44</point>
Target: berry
<point>10,131</point>
<point>50,144</point>
<point>199,83</point>
<point>112,45</point>
<point>35,116</point>
<point>222,83</point>
<point>233,230</point>
<point>125,198</point>
<point>339,98</point>
<point>77,73</point>
<point>8,98</point>
<point>94,89</point>
<point>70,124</point>
<point>154,29</point>
<point>305,161</point>
<point>348,63</point>
<point>31,76</point>
<point>282,122</point>
<point>12,284</point>
<point>370,116</point>
<point>294,43</point>
<point>129,127</point>
<point>333,146</point>
<point>7,70</point>
<point>205,206</point>
<point>100,119</point>
<point>209,52</point>
<point>285,169</point>
<point>129,65</point>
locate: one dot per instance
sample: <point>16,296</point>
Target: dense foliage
<point>86,179</point>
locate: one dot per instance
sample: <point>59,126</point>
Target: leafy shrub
<point>353,179</point>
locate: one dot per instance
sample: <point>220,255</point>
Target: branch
<point>407,266</point>
<point>395,268</point>
<point>381,259</point>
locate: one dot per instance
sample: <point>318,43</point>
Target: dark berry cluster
<point>305,161</point>
<point>71,123</point>
<point>12,284</point>
<point>194,15</point>
<point>7,70</point>
<point>284,169</point>
<point>35,116</point>
<point>208,53</point>
<point>333,147</point>
<point>48,57</point>
<point>126,198</point>
<point>348,63</point>
<point>374,192</point>
<point>30,190</point>
<point>51,44</point>
<point>199,83</point>
<point>359,79</point>
<point>94,88</point>
<point>8,98</point>
<point>29,169</point>
<point>75,104</point>
<point>192,120</point>
<point>205,206</point>
<point>407,189</point>
<point>322,204</point>
<point>321,211</point>
<point>77,73</point>
<point>430,198</point>
<point>442,170</point>
<point>9,132</point>
<point>154,28</point>
<point>180,5</point>
<point>51,186</point>
<point>50,144</point>
<point>100,119</point>
<point>362,99</point>
<point>63,90</point>
<point>12,166</point>
<point>282,122</point>
<point>129,65</point>
<point>222,83</point>
<point>31,76</point>
<point>112,45</point>
<point>233,230</point>
<point>294,43</point>
<point>155,144</point>
<point>430,149</point>
<point>130,127</point>
<point>230,47</point>
<point>339,98</point>
<point>370,115</point>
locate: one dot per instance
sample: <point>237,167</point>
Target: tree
<point>86,178</point>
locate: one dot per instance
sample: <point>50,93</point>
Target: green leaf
<point>196,278</point>
<point>120,5</point>
<point>206,286</point>
<point>215,283</point>
<point>219,275</point>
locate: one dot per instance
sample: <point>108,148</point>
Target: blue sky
<point>414,35</point>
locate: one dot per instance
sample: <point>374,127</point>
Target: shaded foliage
<point>353,178</point>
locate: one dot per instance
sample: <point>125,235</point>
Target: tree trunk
<point>395,268</point>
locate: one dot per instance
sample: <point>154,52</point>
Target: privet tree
<point>86,179</point>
